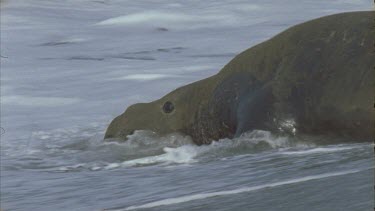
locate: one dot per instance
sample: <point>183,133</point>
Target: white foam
<point>180,155</point>
<point>179,149</point>
<point>170,19</point>
<point>71,168</point>
<point>200,196</point>
<point>145,77</point>
<point>95,168</point>
<point>196,68</point>
<point>146,17</point>
<point>112,166</point>
<point>257,136</point>
<point>38,101</point>
<point>317,150</point>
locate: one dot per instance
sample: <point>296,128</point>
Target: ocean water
<point>69,67</point>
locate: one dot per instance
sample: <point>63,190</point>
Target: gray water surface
<point>69,67</point>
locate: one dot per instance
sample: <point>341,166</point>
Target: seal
<point>314,78</point>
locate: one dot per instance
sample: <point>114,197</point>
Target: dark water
<point>69,67</point>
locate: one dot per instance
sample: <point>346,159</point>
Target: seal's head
<point>175,112</point>
<point>159,116</point>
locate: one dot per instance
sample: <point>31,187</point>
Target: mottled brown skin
<point>319,73</point>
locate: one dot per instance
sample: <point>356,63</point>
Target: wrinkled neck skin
<point>236,104</point>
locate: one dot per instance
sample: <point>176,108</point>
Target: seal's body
<point>314,78</point>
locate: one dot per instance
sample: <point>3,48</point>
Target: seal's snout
<point>113,129</point>
<point>119,127</point>
<point>125,124</point>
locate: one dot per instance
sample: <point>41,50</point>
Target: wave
<point>21,100</point>
<point>63,42</point>
<point>146,17</point>
<point>78,149</point>
<point>184,154</point>
<point>146,77</point>
<point>182,199</point>
<point>145,148</point>
<point>175,20</point>
<point>252,142</point>
<point>141,148</point>
<point>318,150</point>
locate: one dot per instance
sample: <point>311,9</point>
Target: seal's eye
<point>168,107</point>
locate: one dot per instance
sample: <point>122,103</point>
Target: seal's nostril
<point>168,107</point>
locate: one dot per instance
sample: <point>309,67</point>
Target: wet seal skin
<point>315,78</point>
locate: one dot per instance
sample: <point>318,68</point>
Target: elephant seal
<point>314,78</point>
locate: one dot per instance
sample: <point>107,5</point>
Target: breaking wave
<point>84,149</point>
<point>318,150</point>
<point>145,148</point>
<point>179,20</point>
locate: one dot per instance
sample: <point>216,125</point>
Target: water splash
<point>83,149</point>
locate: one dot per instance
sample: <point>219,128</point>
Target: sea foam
<point>171,20</point>
<point>146,17</point>
<point>317,150</point>
<point>145,77</point>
